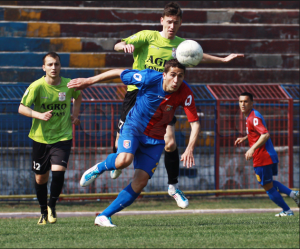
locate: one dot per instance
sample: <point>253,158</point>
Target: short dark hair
<point>51,54</point>
<point>173,63</point>
<point>172,9</point>
<point>250,95</point>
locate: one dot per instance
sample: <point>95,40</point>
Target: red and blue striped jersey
<point>154,108</point>
<point>256,126</point>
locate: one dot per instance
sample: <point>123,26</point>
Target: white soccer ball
<point>189,53</point>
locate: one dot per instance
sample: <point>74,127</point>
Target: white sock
<point>172,188</point>
<point>292,194</point>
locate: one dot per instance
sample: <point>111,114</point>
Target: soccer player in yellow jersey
<point>51,131</point>
<point>151,49</point>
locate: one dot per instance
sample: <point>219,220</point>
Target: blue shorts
<point>147,151</point>
<point>264,174</point>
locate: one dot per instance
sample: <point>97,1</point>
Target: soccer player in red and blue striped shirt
<point>265,159</point>
<point>142,136</point>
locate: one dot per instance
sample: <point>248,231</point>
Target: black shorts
<point>128,103</point>
<point>174,120</point>
<point>44,155</point>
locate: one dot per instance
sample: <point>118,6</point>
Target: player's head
<point>173,75</point>
<point>246,102</point>
<point>51,65</point>
<point>171,20</point>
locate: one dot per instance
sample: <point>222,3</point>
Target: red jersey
<point>255,127</point>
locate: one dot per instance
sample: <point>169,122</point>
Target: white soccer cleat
<point>180,198</point>
<point>89,176</point>
<point>103,221</point>
<point>285,213</point>
<point>296,198</point>
<point>114,174</point>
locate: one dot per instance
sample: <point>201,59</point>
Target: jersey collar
<point>249,113</point>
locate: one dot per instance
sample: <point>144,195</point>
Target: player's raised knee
<point>123,160</point>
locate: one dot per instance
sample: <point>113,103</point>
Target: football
<point>189,53</point>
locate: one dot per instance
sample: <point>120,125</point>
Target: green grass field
<point>261,230</point>
<point>247,230</point>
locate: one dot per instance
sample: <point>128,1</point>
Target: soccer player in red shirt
<point>264,156</point>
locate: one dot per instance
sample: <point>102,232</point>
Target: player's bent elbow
<point>21,109</point>
<point>267,136</point>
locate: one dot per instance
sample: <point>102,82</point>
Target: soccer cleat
<point>89,176</point>
<point>103,221</point>
<point>51,215</point>
<point>43,219</point>
<point>180,198</point>
<point>296,198</point>
<point>285,213</point>
<point>114,174</point>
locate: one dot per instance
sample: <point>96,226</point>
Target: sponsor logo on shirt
<point>61,96</point>
<point>255,121</point>
<point>188,100</point>
<point>137,77</point>
<point>154,47</point>
<point>153,60</point>
<point>168,108</point>
<point>126,144</point>
<point>161,97</point>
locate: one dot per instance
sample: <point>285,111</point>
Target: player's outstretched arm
<point>239,140</point>
<point>214,59</point>
<point>76,110</point>
<point>188,157</point>
<point>122,46</point>
<point>28,112</point>
<point>82,83</point>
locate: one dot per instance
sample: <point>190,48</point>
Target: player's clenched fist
<point>128,48</point>
<point>75,120</point>
<point>46,115</point>
<point>249,154</point>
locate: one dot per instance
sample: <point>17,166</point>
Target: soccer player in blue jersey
<point>142,136</point>
<point>265,159</point>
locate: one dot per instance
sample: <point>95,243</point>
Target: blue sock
<point>108,164</point>
<point>282,188</point>
<point>124,199</point>
<point>277,198</point>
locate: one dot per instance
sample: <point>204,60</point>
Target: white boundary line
<point>186,211</point>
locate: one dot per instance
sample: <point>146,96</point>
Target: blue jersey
<point>154,108</point>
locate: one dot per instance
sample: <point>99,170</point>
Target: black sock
<point>114,149</point>
<point>172,166</point>
<point>41,194</point>
<point>58,178</point>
